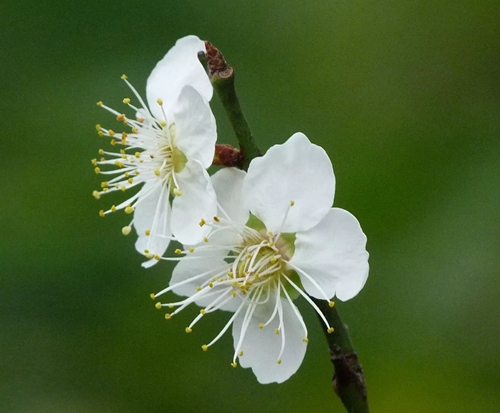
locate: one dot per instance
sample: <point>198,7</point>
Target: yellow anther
<point>96,194</point>
<point>98,127</point>
<point>101,152</point>
<point>136,173</point>
<point>279,361</point>
<point>113,208</point>
<point>230,274</point>
<point>331,304</point>
<point>119,118</point>
<point>151,156</point>
<point>152,295</point>
<point>126,230</point>
<point>135,130</point>
<point>99,103</point>
<point>205,239</point>
<point>234,365</point>
<point>271,244</point>
<point>233,293</point>
<point>123,188</point>
<point>148,232</point>
<point>292,203</point>
<point>158,305</point>
<point>222,279</point>
<point>157,171</point>
<point>277,331</point>
<point>101,213</point>
<point>137,154</point>
<point>261,325</point>
<point>122,151</point>
<point>100,133</point>
<point>204,347</point>
<point>129,209</point>
<point>198,288</point>
<point>330,330</point>
<point>124,76</point>
<point>273,260</point>
<point>210,285</point>
<point>119,164</point>
<point>124,135</point>
<point>149,255</point>
<point>97,169</point>
<point>202,222</point>
<point>126,101</point>
<point>163,123</point>
<point>146,251</point>
<point>104,184</point>
<point>124,141</point>
<point>140,120</point>
<point>191,249</point>
<point>112,142</point>
<point>178,251</point>
<point>202,311</point>
<point>177,192</point>
<point>188,330</point>
<point>214,278</point>
<point>305,340</point>
<point>270,233</point>
<point>159,101</point>
<point>130,180</point>
<point>157,257</point>
<point>111,132</point>
<point>240,354</point>
<point>168,316</point>
<point>216,219</point>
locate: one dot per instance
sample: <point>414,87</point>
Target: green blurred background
<point>405,98</point>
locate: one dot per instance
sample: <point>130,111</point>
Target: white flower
<point>168,148</point>
<point>277,238</point>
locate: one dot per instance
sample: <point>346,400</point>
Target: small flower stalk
<point>253,238</point>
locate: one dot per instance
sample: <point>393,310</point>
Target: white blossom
<point>167,149</point>
<point>276,238</point>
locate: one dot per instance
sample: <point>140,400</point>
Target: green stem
<point>348,380</point>
<point>222,78</point>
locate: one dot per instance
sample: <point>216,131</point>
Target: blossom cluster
<point>252,242</point>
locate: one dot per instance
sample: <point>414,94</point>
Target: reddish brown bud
<point>226,155</point>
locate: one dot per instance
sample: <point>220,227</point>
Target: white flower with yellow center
<point>168,148</point>
<point>276,238</point>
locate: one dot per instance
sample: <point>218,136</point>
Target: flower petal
<point>297,171</point>
<point>261,347</point>
<point>195,127</point>
<point>152,215</point>
<point>228,185</point>
<point>197,202</point>
<point>179,67</point>
<point>194,265</point>
<point>333,254</point>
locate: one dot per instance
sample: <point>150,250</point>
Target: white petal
<point>192,266</point>
<point>197,202</point>
<point>228,185</point>
<point>179,67</point>
<point>261,347</point>
<point>195,127</point>
<point>296,171</point>
<point>333,253</point>
<point>152,213</point>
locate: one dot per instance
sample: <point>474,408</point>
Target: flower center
<point>260,261</point>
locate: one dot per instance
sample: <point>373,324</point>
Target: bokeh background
<point>405,98</point>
